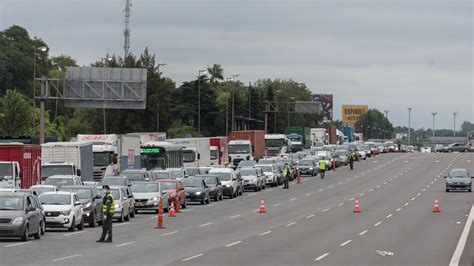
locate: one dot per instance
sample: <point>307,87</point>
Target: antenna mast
<point>126,31</point>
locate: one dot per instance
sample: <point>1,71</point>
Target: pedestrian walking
<point>286,174</point>
<point>322,167</point>
<point>352,158</point>
<point>108,209</point>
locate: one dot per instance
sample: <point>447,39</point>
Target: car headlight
<point>198,193</point>
<point>228,185</point>
<point>87,205</point>
<point>155,199</point>
<point>254,180</point>
<point>311,168</point>
<point>18,220</point>
<point>117,206</point>
<point>66,212</point>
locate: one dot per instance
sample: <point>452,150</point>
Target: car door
<point>33,215</point>
<point>77,208</point>
<point>124,200</point>
<point>206,188</point>
<point>180,190</point>
<point>131,200</point>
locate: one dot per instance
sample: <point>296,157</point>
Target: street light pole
<point>233,101</point>
<point>104,61</point>
<point>158,104</point>
<point>454,128</point>
<point>35,54</point>
<point>409,123</point>
<point>434,114</point>
<point>199,99</point>
<point>386,114</point>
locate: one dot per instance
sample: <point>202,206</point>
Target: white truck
<point>149,136</point>
<point>276,144</point>
<point>67,158</point>
<point>196,151</point>
<point>318,136</point>
<point>113,153</point>
<point>240,150</point>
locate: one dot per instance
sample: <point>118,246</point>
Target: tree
<point>467,127</point>
<point>374,125</point>
<point>16,114</point>
<point>217,74</point>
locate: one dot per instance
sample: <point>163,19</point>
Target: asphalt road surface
<point>311,224</point>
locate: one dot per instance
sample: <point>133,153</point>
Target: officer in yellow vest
<point>108,209</point>
<point>322,167</point>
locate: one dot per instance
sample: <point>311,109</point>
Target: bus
<point>161,154</point>
<point>470,140</point>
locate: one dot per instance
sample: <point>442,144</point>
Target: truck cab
<point>276,144</point>
<point>10,175</point>
<point>240,150</point>
<point>190,157</point>
<point>214,152</point>
<point>58,168</point>
<point>104,161</point>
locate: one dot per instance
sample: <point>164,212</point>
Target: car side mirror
<point>97,197</point>
<point>445,177</point>
<point>206,186</point>
<point>164,193</point>
<point>130,196</point>
<point>31,209</point>
<point>77,203</point>
<point>78,172</point>
<point>234,179</point>
<point>20,174</point>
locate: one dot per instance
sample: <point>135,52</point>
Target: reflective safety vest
<point>108,197</point>
<point>322,164</point>
<point>287,171</point>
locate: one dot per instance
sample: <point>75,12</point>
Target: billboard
<point>351,113</point>
<point>326,101</point>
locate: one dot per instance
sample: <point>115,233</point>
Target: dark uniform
<point>286,174</point>
<point>352,158</point>
<point>108,209</point>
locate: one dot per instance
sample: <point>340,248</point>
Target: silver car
<point>459,179</point>
<point>148,196</point>
<point>122,206</point>
<point>252,179</point>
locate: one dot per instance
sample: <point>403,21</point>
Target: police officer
<point>108,209</point>
<point>322,167</point>
<point>352,158</point>
<point>286,174</point>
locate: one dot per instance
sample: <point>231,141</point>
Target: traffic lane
<point>333,226</point>
<point>415,235</point>
<point>467,257</point>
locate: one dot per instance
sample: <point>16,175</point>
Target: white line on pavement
<point>212,204</point>
<point>418,194</point>
<point>170,233</point>
<point>121,224</point>
<point>406,204</point>
<point>399,209</point>
<point>363,233</point>
<point>278,204</point>
<point>385,183</point>
<point>378,186</point>
<point>292,199</point>
<point>290,224</point>
<point>345,243</point>
<point>325,210</point>
<point>320,190</point>
<point>370,190</point>
<point>330,186</point>
<point>125,244</point>
<point>235,216</point>
<point>309,216</point>
<point>388,216</point>
<point>16,244</point>
<point>351,199</point>
<point>307,194</point>
<point>233,244</point>
<point>252,194</point>
<point>265,233</point>
<point>340,183</point>
<point>322,257</point>
<point>206,224</point>
<point>340,204</point>
<point>413,198</point>
<point>462,240</point>
<point>68,257</point>
<point>377,224</point>
<point>75,233</point>
<point>193,257</point>
<point>424,190</point>
<point>361,194</point>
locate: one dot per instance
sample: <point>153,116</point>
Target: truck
<point>358,137</point>
<point>299,134</point>
<point>20,165</point>
<point>196,151</point>
<point>149,136</point>
<point>219,150</point>
<point>276,144</point>
<point>246,145</point>
<point>113,153</point>
<point>318,137</point>
<point>348,134</point>
<point>67,158</point>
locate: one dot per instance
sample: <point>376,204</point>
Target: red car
<point>175,189</point>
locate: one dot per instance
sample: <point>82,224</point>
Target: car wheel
<point>43,227</point>
<point>241,192</point>
<point>222,196</point>
<point>203,202</point>
<point>93,221</point>
<point>38,235</point>
<point>72,228</point>
<point>132,213</point>
<point>136,211</point>
<point>127,218</point>
<point>184,205</point>
<point>256,189</point>
<point>216,198</point>
<point>450,150</point>
<point>208,200</point>
<point>25,235</point>
<point>157,211</point>
<point>447,190</point>
<point>81,225</point>
<point>120,219</point>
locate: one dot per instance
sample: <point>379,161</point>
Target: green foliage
<point>16,114</point>
<point>374,125</point>
<point>178,130</point>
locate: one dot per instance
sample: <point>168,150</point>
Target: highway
<point>311,224</point>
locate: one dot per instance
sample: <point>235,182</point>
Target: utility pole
<point>409,124</point>
<point>386,114</point>
<point>454,128</point>
<point>434,114</point>
<point>199,99</point>
<point>126,31</point>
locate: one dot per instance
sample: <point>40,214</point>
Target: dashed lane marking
<point>322,257</point>
<point>206,224</point>
<point>292,199</point>
<point>345,243</point>
<point>307,194</point>
<point>265,233</point>
<point>275,205</point>
<point>340,204</point>
<point>233,244</point>
<point>75,233</point>
<point>68,257</point>
<point>406,204</point>
<point>412,199</point>
<point>125,244</point>
<point>351,199</point>
<point>399,209</point>
<point>170,233</point>
<point>235,216</point>
<point>193,257</point>
<point>290,224</point>
<point>309,216</point>
<point>363,233</point>
<point>377,224</point>
<point>388,216</point>
<point>325,210</point>
<point>16,244</point>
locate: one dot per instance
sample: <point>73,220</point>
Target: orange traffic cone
<point>172,212</point>
<point>160,216</point>
<point>262,207</point>
<point>436,206</point>
<point>356,206</point>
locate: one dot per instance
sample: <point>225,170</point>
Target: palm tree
<point>217,74</point>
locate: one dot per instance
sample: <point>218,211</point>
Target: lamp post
<point>105,61</point>
<point>158,104</point>
<point>434,114</point>
<point>409,123</point>
<point>233,101</point>
<point>199,99</point>
<point>454,120</point>
<point>386,114</point>
<point>35,54</point>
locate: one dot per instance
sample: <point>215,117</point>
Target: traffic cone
<point>176,204</point>
<point>298,177</point>
<point>172,212</point>
<point>262,207</point>
<point>436,206</point>
<point>159,224</point>
<point>356,206</point>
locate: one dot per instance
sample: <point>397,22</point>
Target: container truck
<point>318,137</point>
<point>67,158</point>
<point>276,144</point>
<point>246,145</point>
<point>349,134</point>
<point>196,151</point>
<point>149,136</point>
<point>219,151</point>
<point>113,153</point>
<point>20,165</point>
<point>303,134</point>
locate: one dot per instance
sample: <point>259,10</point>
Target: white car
<point>270,172</point>
<point>425,149</point>
<point>362,155</point>
<point>62,210</point>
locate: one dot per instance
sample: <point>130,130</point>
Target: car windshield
<point>188,156</point>
<point>6,171</point>
<point>192,182</point>
<point>458,173</point>
<point>114,181</point>
<point>102,158</point>
<point>11,203</point>
<point>161,174</point>
<point>168,185</point>
<point>239,148</point>
<point>176,173</point>
<point>306,162</point>
<point>83,193</point>
<point>192,171</point>
<point>265,161</point>
<point>145,187</point>
<point>274,143</point>
<point>247,163</point>
<point>266,168</point>
<point>55,199</point>
<point>115,194</point>
<point>223,176</point>
<point>49,170</point>
<point>41,190</point>
<point>248,172</point>
<point>135,176</point>
<point>212,180</point>
<point>59,181</point>
<point>341,153</point>
<point>214,154</point>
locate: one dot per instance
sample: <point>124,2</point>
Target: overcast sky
<point>388,54</point>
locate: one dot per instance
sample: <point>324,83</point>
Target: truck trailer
<point>219,150</point>
<point>20,165</point>
<point>246,145</point>
<point>303,133</point>
<point>196,151</point>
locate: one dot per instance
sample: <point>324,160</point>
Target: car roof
<point>8,193</point>
<point>220,170</point>
<point>134,171</point>
<point>63,176</point>
<point>50,186</point>
<point>58,192</point>
<point>166,180</point>
<point>69,186</point>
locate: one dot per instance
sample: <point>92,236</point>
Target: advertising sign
<point>351,113</point>
<point>326,101</point>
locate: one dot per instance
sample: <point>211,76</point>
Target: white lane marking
<point>321,190</point>
<point>458,222</point>
<point>125,244</point>
<point>278,204</point>
<point>193,257</point>
<point>388,216</point>
<point>399,209</point>
<point>340,183</point>
<point>322,257</point>
<point>351,199</point>
<point>307,194</point>
<point>206,224</point>
<point>68,257</point>
<point>345,243</point>
<point>16,244</point>
<point>385,183</point>
<point>432,182</point>
<point>252,194</point>
<point>121,224</point>
<point>154,217</point>
<point>212,204</point>
<point>325,210</point>
<point>370,190</point>
<point>361,194</point>
<point>75,233</point>
<point>413,198</point>
<point>363,233</point>
<point>418,194</point>
<point>292,199</point>
<point>268,190</point>
<point>330,186</point>
<point>265,233</point>
<point>235,216</point>
<point>378,186</point>
<point>406,204</point>
<point>233,244</point>
<point>377,224</point>
<point>290,224</point>
<point>340,204</point>
<point>186,210</point>
<point>462,240</point>
<point>424,190</point>
<point>390,179</point>
<point>428,186</point>
<point>170,233</point>
<point>309,216</point>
